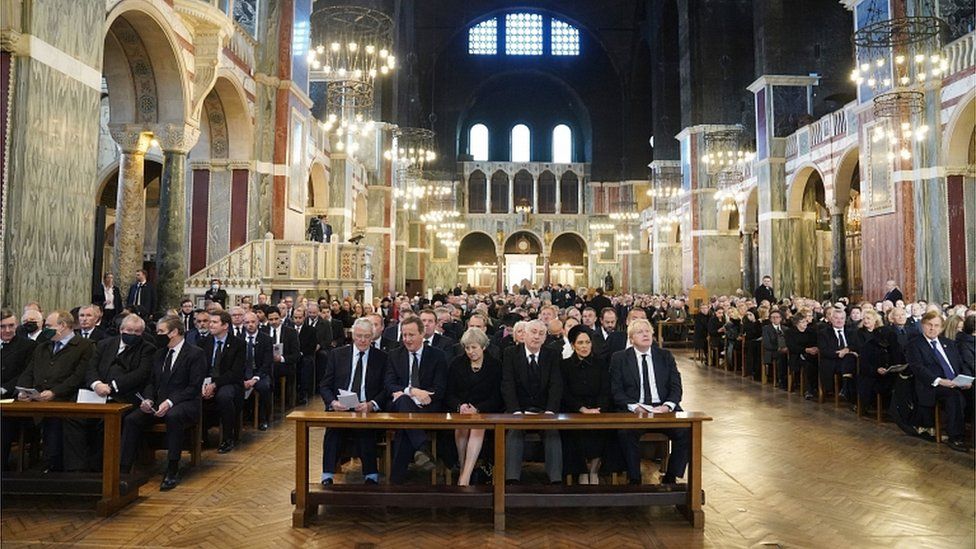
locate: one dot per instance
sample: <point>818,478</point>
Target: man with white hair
<point>532,384</point>
<point>32,326</point>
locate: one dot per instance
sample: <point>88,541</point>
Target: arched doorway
<point>568,263</point>
<point>811,236</point>
<point>478,262</point>
<point>318,190</point>
<point>959,150</point>
<point>847,278</point>
<point>523,251</point>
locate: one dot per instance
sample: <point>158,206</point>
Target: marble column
<point>546,276</point>
<point>172,249</point>
<point>838,264</point>
<point>748,275</point>
<point>500,274</point>
<point>130,205</point>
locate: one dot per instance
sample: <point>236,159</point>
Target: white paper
<point>348,399</point>
<point>86,396</point>
<point>206,381</point>
<point>31,392</point>
<point>647,408</point>
<point>962,380</point>
<point>247,393</point>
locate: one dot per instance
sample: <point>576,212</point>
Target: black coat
<point>260,365</point>
<point>99,298</point>
<point>967,350</point>
<point>97,334</point>
<point>339,371</point>
<point>218,296</point>
<point>516,390</point>
<point>148,299</point>
<point>126,372</point>
<point>481,389</point>
<point>185,380</point>
<point>829,346</point>
<point>433,374</point>
<point>60,373</point>
<point>625,381</point>
<point>585,383</point>
<point>763,293</point>
<point>796,342</point>
<point>229,369</point>
<point>14,358</point>
<point>291,350</point>
<point>924,365</point>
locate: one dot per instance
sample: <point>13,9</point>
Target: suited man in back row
<point>936,361</point>
<point>142,295</point>
<point>646,376</point>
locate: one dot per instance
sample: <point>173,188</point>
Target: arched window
<point>569,193</point>
<point>562,144</point>
<point>483,38</point>
<point>524,34</point>
<point>499,192</point>
<point>523,188</point>
<point>478,142</point>
<point>547,193</point>
<point>521,143</point>
<point>476,192</point>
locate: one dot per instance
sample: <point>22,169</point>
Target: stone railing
<point>243,45</point>
<point>307,267</point>
<point>961,54</point>
<point>791,144</point>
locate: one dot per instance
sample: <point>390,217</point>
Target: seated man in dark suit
<point>119,369</point>
<point>774,350</point>
<point>171,396</point>
<point>258,355</point>
<point>358,368</point>
<point>618,341</point>
<point>56,369</point>
<point>87,328</point>
<point>200,330</point>
<point>532,384</point>
<point>431,337</point>
<point>15,352</point>
<point>837,344</point>
<point>223,396</point>
<point>935,361</point>
<point>645,379</point>
<point>416,380</point>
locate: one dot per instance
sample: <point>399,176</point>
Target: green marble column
<point>130,205</point>
<point>748,275</point>
<point>838,264</point>
<point>172,252</point>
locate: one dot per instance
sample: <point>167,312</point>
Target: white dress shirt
<point>652,381</point>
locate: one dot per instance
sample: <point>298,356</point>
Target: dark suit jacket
<point>617,341</point>
<point>127,372</point>
<point>443,343</point>
<point>183,383</point>
<point>230,367</point>
<point>828,346</point>
<point>220,296</point>
<point>625,381</point>
<point>764,293</point>
<point>967,351</point>
<point>323,332</point>
<point>14,357</point>
<point>773,342</point>
<point>515,381</point>
<point>892,296</point>
<point>62,373</point>
<point>338,332</point>
<point>263,355</point>
<point>148,298</point>
<point>291,350</point>
<point>481,389</point>
<point>391,337</point>
<point>600,302</point>
<point>97,334</point>
<point>433,373</point>
<point>338,375</point>
<point>922,362</point>
<point>99,298</point>
<point>307,340</point>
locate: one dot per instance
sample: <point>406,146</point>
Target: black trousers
<point>83,443</point>
<point>953,410</point>
<point>828,368</point>
<point>365,448</point>
<point>226,404</point>
<point>306,370</point>
<point>264,388</point>
<point>178,419</point>
<point>406,441</point>
<point>680,450</point>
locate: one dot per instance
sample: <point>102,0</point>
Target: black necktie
<point>274,335</point>
<point>840,339</point>
<point>216,356</point>
<point>647,380</point>
<point>169,361</point>
<point>414,369</point>
<point>250,357</point>
<point>139,295</point>
<point>357,377</point>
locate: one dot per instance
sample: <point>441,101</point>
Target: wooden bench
<point>116,490</point>
<point>688,497</point>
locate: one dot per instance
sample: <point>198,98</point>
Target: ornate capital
<point>131,138</point>
<point>176,137</point>
<point>207,47</point>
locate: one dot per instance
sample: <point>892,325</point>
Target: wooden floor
<point>778,471</point>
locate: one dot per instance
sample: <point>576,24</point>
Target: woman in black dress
<point>801,341</point>
<point>474,383</point>
<point>586,390</point>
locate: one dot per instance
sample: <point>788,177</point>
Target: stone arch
<point>847,169</point>
<point>566,243</point>
<point>361,215</point>
<point>796,188</point>
<point>499,188</point>
<point>237,114</point>
<point>477,192</point>
<point>143,66</point>
<point>318,189</point>
<point>959,138</point>
<point>749,212</point>
<point>477,246</point>
<point>535,243</point>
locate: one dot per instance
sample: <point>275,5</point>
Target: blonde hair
<point>874,316</point>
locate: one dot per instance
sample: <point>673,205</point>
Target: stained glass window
<point>564,38</point>
<point>483,38</point>
<point>523,34</point>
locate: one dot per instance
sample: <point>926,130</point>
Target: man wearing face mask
<point>171,396</point>
<point>32,327</point>
<point>56,370</point>
<point>119,369</point>
<point>216,294</point>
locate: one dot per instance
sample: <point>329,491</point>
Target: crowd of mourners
<point>532,350</point>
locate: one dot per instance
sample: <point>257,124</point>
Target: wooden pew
<point>306,498</point>
<point>116,490</point>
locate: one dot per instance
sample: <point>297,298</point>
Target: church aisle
<point>778,470</point>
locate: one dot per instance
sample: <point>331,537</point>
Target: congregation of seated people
<point>530,351</point>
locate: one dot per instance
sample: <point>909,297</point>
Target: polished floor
<point>778,471</point>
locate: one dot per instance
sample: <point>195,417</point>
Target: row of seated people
<point>518,374</point>
<point>908,361</point>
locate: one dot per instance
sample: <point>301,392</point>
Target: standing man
<point>142,295</point>
<point>645,379</point>
<point>326,229</point>
<point>416,380</point>
<point>223,395</point>
<point>358,368</point>
<point>892,293</point>
<point>216,294</point>
<point>764,292</point>
<point>108,296</point>
<point>532,384</point>
<point>171,396</point>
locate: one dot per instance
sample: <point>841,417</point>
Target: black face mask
<point>162,340</point>
<point>131,339</point>
<point>30,326</point>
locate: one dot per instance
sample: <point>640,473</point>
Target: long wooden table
<point>113,496</point>
<point>688,497</point>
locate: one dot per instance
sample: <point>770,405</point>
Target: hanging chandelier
<point>411,152</point>
<point>354,48</point>
<point>725,150</point>
<point>665,182</point>
<point>625,212</point>
<point>896,59</point>
<point>442,218</point>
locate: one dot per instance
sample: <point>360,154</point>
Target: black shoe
<point>327,482</point>
<point>370,482</point>
<point>263,426</point>
<point>669,479</point>
<point>808,396</point>
<point>302,401</point>
<point>958,445</point>
<point>169,481</point>
<point>843,395</point>
<point>225,446</point>
<point>924,436</point>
